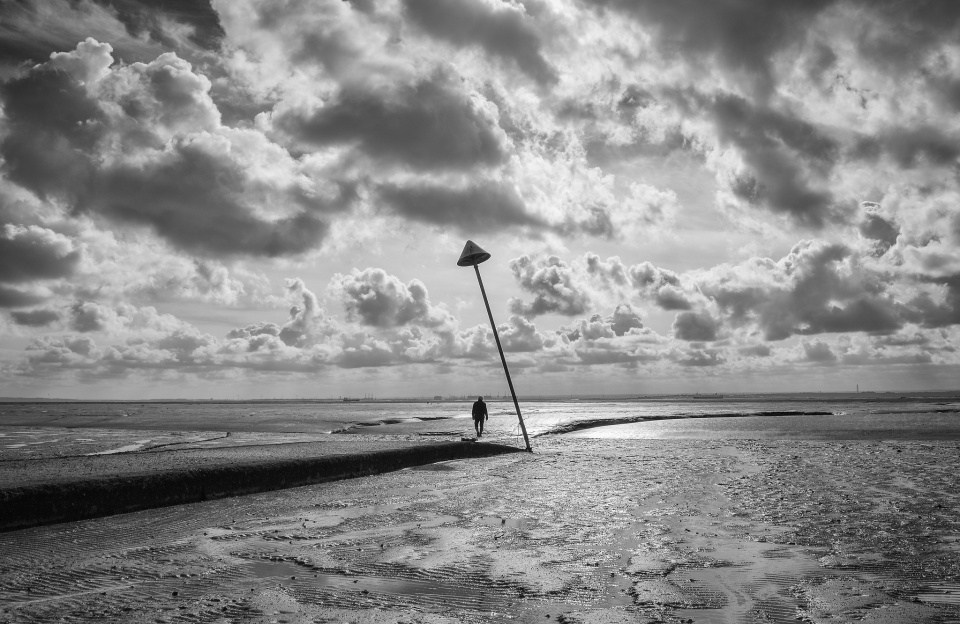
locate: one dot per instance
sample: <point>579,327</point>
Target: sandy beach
<point>582,530</point>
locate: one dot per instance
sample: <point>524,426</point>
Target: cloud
<point>308,322</point>
<point>35,318</point>
<point>376,298</point>
<point>485,206</point>
<point>433,123</point>
<point>818,351</point>
<point>661,285</point>
<point>624,319</point>
<point>695,326</point>
<point>612,273</point>
<point>32,252</point>
<point>17,298</point>
<point>521,335</point>
<point>143,144</point>
<point>553,284</point>
<point>818,287</point>
<point>501,29</point>
<point>785,158</point>
<point>760,350</point>
<point>700,357</point>
<point>145,18</point>
<point>875,227</point>
<point>743,39</point>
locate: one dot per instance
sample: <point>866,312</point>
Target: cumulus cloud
<point>660,285</point>
<point>553,284</point>
<point>308,322</point>
<point>376,298</point>
<point>623,319</point>
<point>818,287</point>
<point>143,144</point>
<point>521,335</point>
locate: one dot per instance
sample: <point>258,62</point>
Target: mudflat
<point>581,530</point>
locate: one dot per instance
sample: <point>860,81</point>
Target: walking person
<point>479,415</point>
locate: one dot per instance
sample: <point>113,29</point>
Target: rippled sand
<point>580,531</point>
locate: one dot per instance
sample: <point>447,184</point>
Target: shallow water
<point>890,426</point>
<point>809,416</point>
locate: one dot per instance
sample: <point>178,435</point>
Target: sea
<point>811,416</point>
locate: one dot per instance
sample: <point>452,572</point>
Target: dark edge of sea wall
<point>22,507</point>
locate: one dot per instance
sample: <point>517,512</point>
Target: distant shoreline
<point>726,397</point>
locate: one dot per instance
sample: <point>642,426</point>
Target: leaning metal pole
<point>503,360</point>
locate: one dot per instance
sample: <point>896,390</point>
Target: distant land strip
<point>65,501</point>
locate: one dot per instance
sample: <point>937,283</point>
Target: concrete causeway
<point>47,490</point>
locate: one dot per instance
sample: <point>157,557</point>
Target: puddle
<point>520,524</point>
<point>359,512</point>
<point>136,446</point>
<point>325,587</point>
<point>437,467</point>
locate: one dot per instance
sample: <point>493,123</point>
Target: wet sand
<point>582,530</point>
<point>55,475</point>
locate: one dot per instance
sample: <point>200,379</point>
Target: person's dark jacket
<point>480,410</point>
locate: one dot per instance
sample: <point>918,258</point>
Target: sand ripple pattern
<point>739,531</point>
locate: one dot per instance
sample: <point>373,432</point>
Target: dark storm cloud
<point>501,29</point>
<point>431,124</point>
<point>782,153</point>
<point>15,298</point>
<point>32,253</point>
<point>195,200</point>
<point>695,326</point>
<point>35,318</point>
<point>146,18</point>
<point>909,30</point>
<point>742,36</point>
<point>553,284</point>
<point>912,147</point>
<point>52,124</point>
<point>877,228</point>
<point>485,206</point>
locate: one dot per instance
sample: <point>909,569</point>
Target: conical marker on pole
<point>473,255</point>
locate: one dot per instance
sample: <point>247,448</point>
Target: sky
<point>267,198</point>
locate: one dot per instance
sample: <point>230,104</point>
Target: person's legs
<point>476,425</point>
<point>479,427</point>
